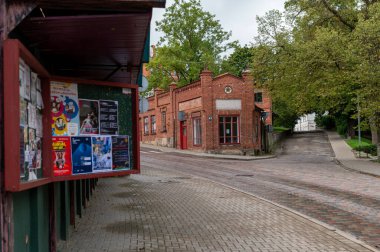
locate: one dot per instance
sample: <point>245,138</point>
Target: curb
<point>207,155</point>
<point>354,170</point>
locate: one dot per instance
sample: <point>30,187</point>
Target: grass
<point>354,142</point>
<point>280,129</point>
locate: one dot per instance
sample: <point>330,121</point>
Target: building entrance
<point>183,135</point>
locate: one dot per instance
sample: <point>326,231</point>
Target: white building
<point>306,123</point>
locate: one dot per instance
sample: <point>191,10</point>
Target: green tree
<point>192,40</point>
<point>238,61</point>
<point>322,55</point>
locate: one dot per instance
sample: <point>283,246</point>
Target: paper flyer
<point>22,79</point>
<point>22,152</point>
<point>27,82</point>
<point>108,117</point>
<point>32,116</point>
<point>81,154</point>
<point>33,88</point>
<point>62,156</point>
<point>120,152</point>
<point>89,114</point>
<point>64,109</point>
<point>101,153</point>
<point>23,112</point>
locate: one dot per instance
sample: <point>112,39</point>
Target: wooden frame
<point>13,51</point>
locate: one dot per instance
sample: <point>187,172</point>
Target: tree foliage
<point>238,61</point>
<point>192,40</point>
<point>322,55</point>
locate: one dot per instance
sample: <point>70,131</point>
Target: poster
<point>32,116</point>
<point>33,151</point>
<point>64,109</point>
<point>22,75</point>
<point>108,117</point>
<point>89,114</point>
<point>22,152</point>
<point>39,125</point>
<point>33,88</point>
<point>81,154</point>
<point>101,153</point>
<point>27,82</point>
<point>61,156</point>
<point>120,152</point>
<point>23,112</point>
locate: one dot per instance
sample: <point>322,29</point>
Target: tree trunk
<point>374,134</point>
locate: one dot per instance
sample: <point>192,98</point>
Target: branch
<point>336,14</point>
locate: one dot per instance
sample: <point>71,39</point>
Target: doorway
<point>183,135</point>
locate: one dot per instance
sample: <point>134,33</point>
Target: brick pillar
<point>248,106</point>
<point>171,116</point>
<point>208,120</point>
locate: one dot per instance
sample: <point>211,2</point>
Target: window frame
<point>256,95</point>
<point>146,125</point>
<point>163,121</point>
<point>232,133</point>
<point>199,138</point>
<point>153,124</point>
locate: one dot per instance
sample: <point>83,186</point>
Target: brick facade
<point>211,115</point>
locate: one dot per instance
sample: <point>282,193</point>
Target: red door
<point>183,135</point>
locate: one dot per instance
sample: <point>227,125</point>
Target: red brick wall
<point>199,99</point>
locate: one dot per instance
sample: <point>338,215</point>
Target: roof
<point>90,39</point>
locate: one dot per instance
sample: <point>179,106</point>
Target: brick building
<point>223,114</point>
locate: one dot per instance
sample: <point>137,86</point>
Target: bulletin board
<point>60,128</point>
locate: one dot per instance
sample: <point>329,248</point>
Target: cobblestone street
<point>174,205</point>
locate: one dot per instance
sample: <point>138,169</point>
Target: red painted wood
<point>13,50</point>
<point>11,116</point>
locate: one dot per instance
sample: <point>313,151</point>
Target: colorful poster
<point>120,152</point>
<point>101,153</point>
<point>89,114</point>
<point>81,154</point>
<point>62,156</point>
<point>64,109</point>
<point>34,151</point>
<point>108,117</point>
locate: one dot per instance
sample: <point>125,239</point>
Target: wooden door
<point>183,135</point>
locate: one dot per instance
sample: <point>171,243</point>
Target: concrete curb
<point>338,162</point>
<point>207,155</point>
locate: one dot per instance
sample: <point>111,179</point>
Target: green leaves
<point>192,40</point>
<point>325,59</point>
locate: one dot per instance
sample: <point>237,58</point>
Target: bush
<point>370,149</point>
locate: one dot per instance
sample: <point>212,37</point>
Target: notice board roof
<point>100,40</point>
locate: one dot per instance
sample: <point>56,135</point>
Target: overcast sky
<point>237,16</point>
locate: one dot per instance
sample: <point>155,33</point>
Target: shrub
<point>370,149</point>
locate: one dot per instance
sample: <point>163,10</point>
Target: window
<point>229,130</point>
<point>153,124</point>
<point>259,97</point>
<point>163,121</point>
<point>146,125</point>
<point>197,131</point>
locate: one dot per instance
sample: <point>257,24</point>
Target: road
<point>304,178</point>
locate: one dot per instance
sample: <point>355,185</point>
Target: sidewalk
<point>345,156</point>
<point>208,155</point>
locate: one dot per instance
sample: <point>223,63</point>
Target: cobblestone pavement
<point>305,178</point>
<point>168,211</point>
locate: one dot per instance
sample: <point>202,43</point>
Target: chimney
<point>247,76</point>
